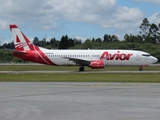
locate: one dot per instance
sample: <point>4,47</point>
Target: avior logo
<point>116,56</point>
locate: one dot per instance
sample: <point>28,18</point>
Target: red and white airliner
<point>94,59</point>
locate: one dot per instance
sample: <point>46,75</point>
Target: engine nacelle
<point>97,64</point>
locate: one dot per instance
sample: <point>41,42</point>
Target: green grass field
<point>76,77</point>
<point>72,68</point>
<point>151,78</point>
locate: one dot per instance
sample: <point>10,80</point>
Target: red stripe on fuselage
<point>45,59</point>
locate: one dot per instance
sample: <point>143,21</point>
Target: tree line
<point>147,40</point>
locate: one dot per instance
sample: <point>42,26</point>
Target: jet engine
<point>97,64</point>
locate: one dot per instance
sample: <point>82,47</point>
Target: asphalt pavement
<point>79,101</point>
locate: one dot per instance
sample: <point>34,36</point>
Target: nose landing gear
<point>141,67</point>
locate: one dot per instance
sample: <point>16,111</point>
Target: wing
<point>81,62</point>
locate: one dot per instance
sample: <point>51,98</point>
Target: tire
<point>140,69</point>
<point>81,69</point>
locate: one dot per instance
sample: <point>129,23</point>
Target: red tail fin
<point>21,42</point>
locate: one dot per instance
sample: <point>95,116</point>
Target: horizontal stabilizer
<point>19,52</point>
<point>15,51</point>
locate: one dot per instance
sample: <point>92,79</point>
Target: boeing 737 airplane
<point>94,59</point>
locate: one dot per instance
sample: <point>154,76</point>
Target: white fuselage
<point>110,57</point>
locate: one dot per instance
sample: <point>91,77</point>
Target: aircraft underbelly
<point>118,63</point>
<point>61,61</point>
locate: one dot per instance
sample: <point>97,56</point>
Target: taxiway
<point>79,101</point>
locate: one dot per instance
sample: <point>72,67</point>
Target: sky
<point>81,19</point>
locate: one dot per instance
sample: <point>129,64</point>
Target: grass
<point>76,77</point>
<point>153,78</point>
<point>71,68</point>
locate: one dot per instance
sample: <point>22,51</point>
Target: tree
<point>64,43</point>
<point>87,44</point>
<point>129,38</point>
<point>138,39</point>
<point>54,43</point>
<point>133,38</point>
<point>36,41</point>
<point>71,42</point>
<point>9,45</point>
<point>77,42</point>
<point>145,26</point>
<point>93,40</point>
<point>98,40</point>
<point>114,38</point>
<point>154,33</point>
<point>107,38</point>
<point>42,43</point>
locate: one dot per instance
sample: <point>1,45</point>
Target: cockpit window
<point>146,55</point>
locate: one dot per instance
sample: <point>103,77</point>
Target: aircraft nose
<point>154,59</point>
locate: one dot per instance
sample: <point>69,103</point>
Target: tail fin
<point>24,47</point>
<point>21,42</point>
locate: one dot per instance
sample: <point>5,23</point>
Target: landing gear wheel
<point>140,69</point>
<point>81,68</point>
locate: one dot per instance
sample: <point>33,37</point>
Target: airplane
<point>95,59</point>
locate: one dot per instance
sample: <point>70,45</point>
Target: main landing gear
<point>140,68</point>
<point>81,68</point>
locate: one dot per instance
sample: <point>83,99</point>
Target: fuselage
<point>110,57</point>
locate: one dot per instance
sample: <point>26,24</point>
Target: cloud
<point>150,1</point>
<point>155,18</point>
<point>45,14</point>
<point>123,18</point>
<point>3,24</point>
<point>81,38</point>
<point>105,13</point>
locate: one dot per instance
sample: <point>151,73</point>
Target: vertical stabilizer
<point>21,42</point>
<point>26,50</point>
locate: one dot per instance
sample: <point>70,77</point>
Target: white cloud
<point>3,24</point>
<point>124,18</point>
<point>44,14</point>
<point>105,13</point>
<point>150,1</point>
<point>155,18</point>
<point>81,38</point>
